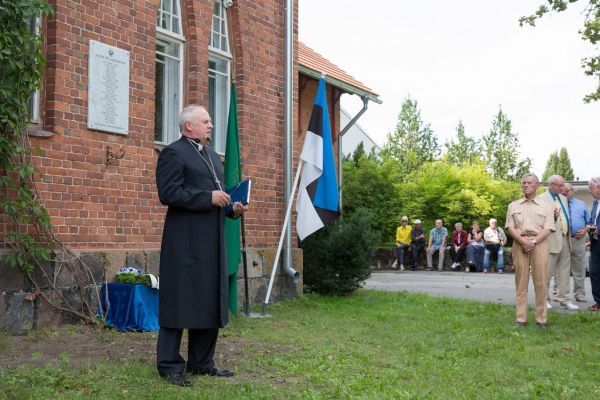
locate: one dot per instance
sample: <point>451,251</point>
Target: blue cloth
<point>132,307</point>
<point>437,236</point>
<point>579,215</point>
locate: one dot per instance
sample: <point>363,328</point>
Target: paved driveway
<point>492,287</point>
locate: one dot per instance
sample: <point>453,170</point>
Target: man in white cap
<point>417,240</point>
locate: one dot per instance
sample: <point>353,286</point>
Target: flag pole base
<point>263,314</point>
<point>264,311</point>
<point>258,315</point>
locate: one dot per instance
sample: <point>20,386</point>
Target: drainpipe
<point>288,114</point>
<point>365,100</point>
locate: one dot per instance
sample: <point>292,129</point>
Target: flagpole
<point>283,231</point>
<point>245,263</point>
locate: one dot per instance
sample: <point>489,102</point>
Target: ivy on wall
<point>28,238</point>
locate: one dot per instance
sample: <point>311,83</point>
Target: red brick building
<point>99,185</point>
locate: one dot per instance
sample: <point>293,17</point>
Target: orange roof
<point>312,60</point>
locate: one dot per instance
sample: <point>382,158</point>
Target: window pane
<point>224,43</point>
<point>159,100</point>
<point>218,92</point>
<point>168,87</point>
<point>169,16</point>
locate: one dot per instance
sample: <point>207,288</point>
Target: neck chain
<point>209,164</point>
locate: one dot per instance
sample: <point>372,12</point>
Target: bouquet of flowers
<point>134,276</point>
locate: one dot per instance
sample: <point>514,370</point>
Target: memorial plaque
<point>108,88</point>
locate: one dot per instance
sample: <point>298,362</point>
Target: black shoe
<point>520,324</point>
<point>542,324</point>
<point>214,371</point>
<point>176,378</point>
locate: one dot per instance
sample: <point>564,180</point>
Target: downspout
<point>288,115</point>
<point>365,100</point>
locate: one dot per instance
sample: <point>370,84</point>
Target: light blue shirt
<point>579,215</point>
<point>437,235</point>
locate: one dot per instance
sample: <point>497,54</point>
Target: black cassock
<point>194,289</point>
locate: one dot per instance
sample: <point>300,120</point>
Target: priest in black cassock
<point>193,265</point>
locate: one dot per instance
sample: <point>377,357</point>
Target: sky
<point>463,60</point>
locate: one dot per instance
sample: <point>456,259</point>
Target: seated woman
<point>459,244</point>
<point>475,248</point>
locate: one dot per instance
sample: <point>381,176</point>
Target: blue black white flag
<point>317,203</point>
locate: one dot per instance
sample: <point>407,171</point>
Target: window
<point>219,72</point>
<point>169,72</point>
<point>33,24</point>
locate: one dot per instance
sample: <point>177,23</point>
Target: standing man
<point>437,242</point>
<point>494,240</point>
<point>193,269</point>
<point>403,241</point>
<point>417,240</point>
<point>559,263</point>
<point>529,221</point>
<point>594,226</point>
<point>578,217</point>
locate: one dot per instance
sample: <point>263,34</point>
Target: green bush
<point>337,258</point>
<point>133,279</point>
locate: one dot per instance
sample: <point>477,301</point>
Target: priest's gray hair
<point>186,115</point>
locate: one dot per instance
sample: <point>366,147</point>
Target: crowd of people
<point>554,236</point>
<point>475,248</point>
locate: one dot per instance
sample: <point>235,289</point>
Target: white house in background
<point>354,136</point>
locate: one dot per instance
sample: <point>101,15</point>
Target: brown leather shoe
<point>595,307</point>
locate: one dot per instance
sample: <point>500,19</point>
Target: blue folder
<point>239,192</point>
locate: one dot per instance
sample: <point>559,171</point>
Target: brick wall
<point>114,209</point>
<point>99,206</point>
<point>94,205</point>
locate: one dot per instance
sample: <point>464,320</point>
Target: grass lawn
<point>371,345</point>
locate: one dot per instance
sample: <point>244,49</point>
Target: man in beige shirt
<point>529,221</point>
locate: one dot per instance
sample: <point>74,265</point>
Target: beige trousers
<point>560,265</point>
<point>578,267</point>
<point>538,260</point>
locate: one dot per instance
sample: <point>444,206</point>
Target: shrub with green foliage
<point>456,194</point>
<point>337,258</point>
<point>369,183</point>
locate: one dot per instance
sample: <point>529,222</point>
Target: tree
<point>413,143</point>
<point>590,33</point>
<point>559,164</point>
<point>369,183</point>
<point>455,194</point>
<point>466,150</point>
<point>501,150</point>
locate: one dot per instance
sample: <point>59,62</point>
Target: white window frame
<point>172,35</point>
<point>34,106</point>
<point>220,76</point>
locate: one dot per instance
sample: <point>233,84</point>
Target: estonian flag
<point>317,203</point>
